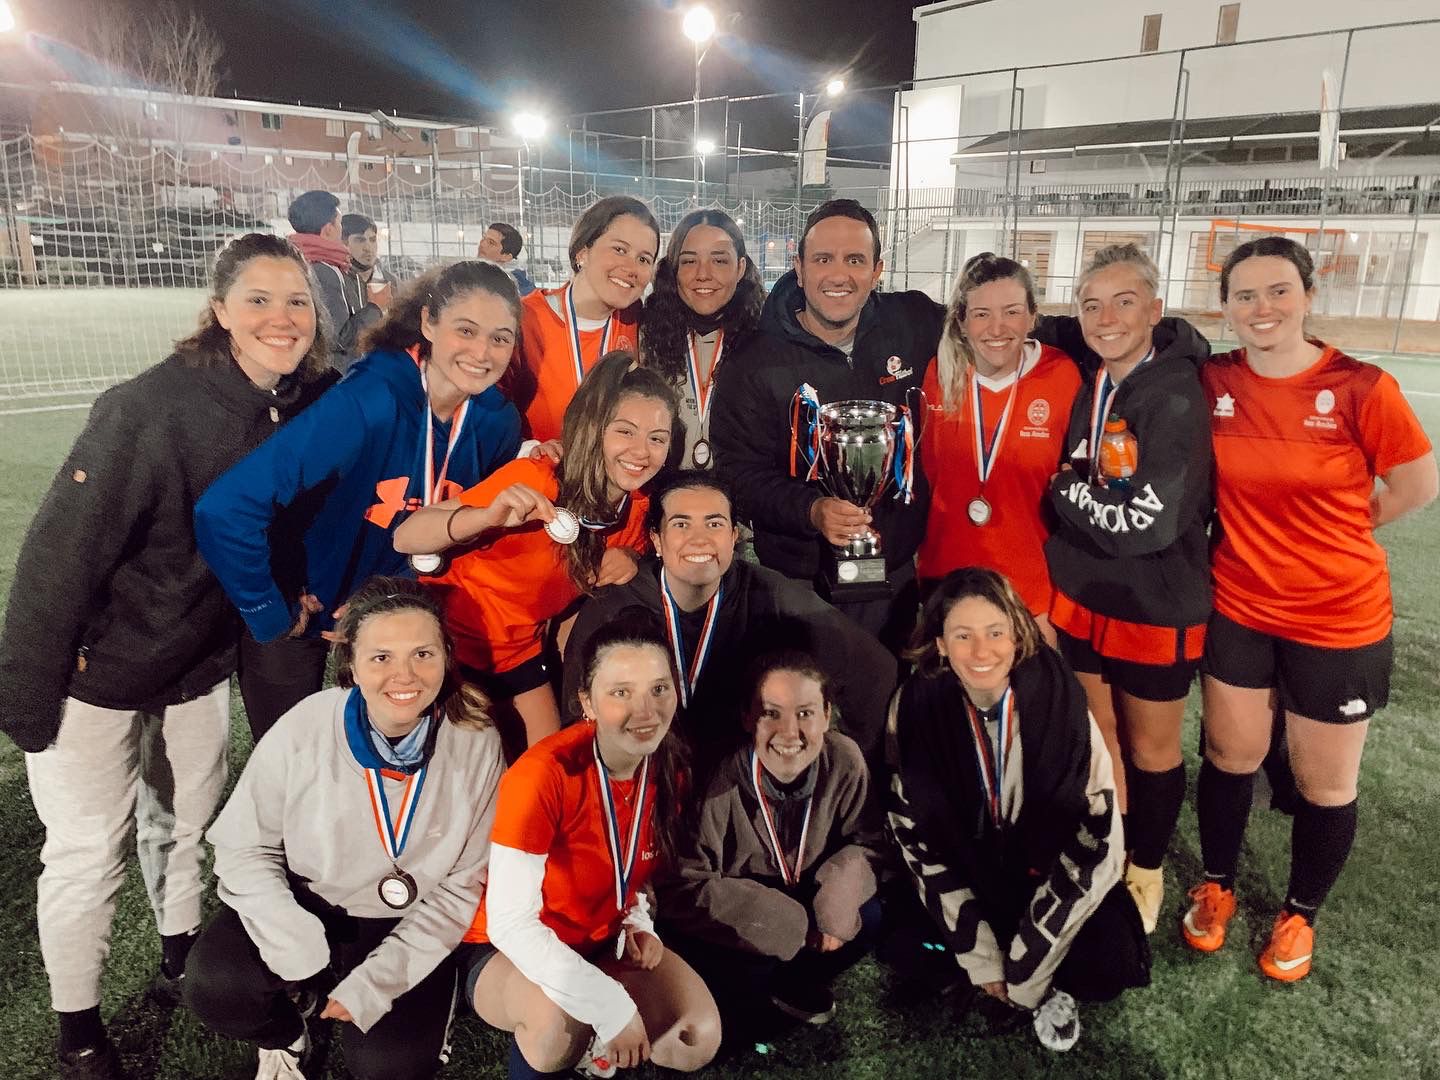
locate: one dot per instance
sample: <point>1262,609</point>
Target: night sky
<point>479,59</point>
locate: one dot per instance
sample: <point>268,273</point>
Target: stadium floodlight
<point>530,125</point>
<point>7,18</point>
<point>699,24</point>
<point>835,87</point>
<point>705,147</point>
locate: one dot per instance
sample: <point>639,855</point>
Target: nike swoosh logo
<point>1190,925</point>
<point>1291,965</point>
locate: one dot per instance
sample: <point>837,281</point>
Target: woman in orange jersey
<point>565,331</point>
<point>565,953</point>
<point>999,404</point>
<point>707,298</point>
<point>1302,592</point>
<point>535,535</point>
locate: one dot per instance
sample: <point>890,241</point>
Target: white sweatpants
<point>108,772</point>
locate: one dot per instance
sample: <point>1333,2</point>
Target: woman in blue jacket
<point>293,528</point>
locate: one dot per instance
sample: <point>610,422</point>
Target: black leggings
<point>277,675</point>
<point>228,986</point>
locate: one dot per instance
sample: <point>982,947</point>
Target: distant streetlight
<point>835,87</point>
<point>699,27</point>
<point>528,125</point>
<point>705,147</point>
<point>699,24</point>
<point>7,18</point>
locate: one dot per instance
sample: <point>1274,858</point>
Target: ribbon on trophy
<point>805,433</point>
<point>904,463</point>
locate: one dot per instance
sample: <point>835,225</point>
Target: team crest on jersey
<point>1324,402</point>
<point>1224,406</point>
<point>895,371</point>
<point>1321,419</point>
<point>1039,411</point>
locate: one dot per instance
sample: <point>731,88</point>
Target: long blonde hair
<point>954,360</point>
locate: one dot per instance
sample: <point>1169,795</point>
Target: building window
<point>335,129</point>
<point>152,110</point>
<point>1150,34</point>
<point>1229,24</point>
<point>464,140</point>
<point>270,121</point>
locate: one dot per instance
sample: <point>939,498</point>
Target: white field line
<point>45,408</point>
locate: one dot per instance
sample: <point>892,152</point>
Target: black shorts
<point>505,685</point>
<point>470,960</point>
<point>1335,686</point>
<point>1149,682</point>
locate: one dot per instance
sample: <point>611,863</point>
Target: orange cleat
<point>1287,956</point>
<point>1211,910</point>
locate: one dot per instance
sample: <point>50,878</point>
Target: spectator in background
<point>501,244</point>
<point>315,217</point>
<point>357,233</point>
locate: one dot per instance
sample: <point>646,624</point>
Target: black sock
<point>80,1029</point>
<point>1155,801</point>
<point>1320,842</point>
<point>1222,801</point>
<point>520,1069</point>
<point>174,949</point>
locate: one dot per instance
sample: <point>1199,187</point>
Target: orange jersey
<point>1029,453</point>
<point>1295,464</point>
<point>499,594</point>
<point>544,387</point>
<point>550,804</point>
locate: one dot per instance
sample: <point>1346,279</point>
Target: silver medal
<point>565,528</point>
<point>978,511</point>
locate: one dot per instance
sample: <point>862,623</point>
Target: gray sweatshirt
<point>302,807</point>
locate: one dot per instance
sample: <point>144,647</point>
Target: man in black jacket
<point>825,325</point>
<point>723,613</point>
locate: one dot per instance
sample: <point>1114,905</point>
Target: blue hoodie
<point>359,445</point>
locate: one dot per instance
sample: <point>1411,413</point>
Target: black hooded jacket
<point>112,603</point>
<point>750,422</point>
<point>1143,555</point>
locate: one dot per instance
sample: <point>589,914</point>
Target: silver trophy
<point>857,447</point>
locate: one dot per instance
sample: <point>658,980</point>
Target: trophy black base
<point>856,579</point>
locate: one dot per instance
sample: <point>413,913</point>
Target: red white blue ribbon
<point>572,325</point>
<point>985,454</point>
<point>992,758</point>
<point>677,642</point>
<point>805,433</point>
<point>430,487</point>
<point>622,861</point>
<point>1100,411</point>
<point>702,385</point>
<point>394,834</point>
<point>790,875</point>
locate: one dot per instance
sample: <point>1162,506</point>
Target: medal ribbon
<point>623,866</point>
<point>703,387</point>
<point>572,325</point>
<point>393,836</point>
<point>602,526</point>
<point>677,643</point>
<point>992,759</point>
<point>985,455</point>
<point>430,488</point>
<point>904,459</point>
<point>788,875</point>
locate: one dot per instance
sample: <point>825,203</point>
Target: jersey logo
<point>1039,411</point>
<point>1324,402</point>
<point>1135,516</point>
<point>896,370</point>
<point>391,494</point>
<point>1355,706</point>
<point>1224,406</point>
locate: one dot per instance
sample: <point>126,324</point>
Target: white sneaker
<point>284,1064</point>
<point>1057,1022</point>
<point>596,1061</point>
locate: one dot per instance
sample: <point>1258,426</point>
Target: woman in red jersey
<point>1302,592</point>
<point>535,535</point>
<point>999,404</point>
<point>565,331</point>
<point>565,953</point>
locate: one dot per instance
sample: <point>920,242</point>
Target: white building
<point>1048,128</point>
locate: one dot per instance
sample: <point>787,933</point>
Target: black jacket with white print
<point>1140,555</point>
<point>750,425</point>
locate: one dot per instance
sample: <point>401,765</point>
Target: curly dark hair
<point>666,320</point>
